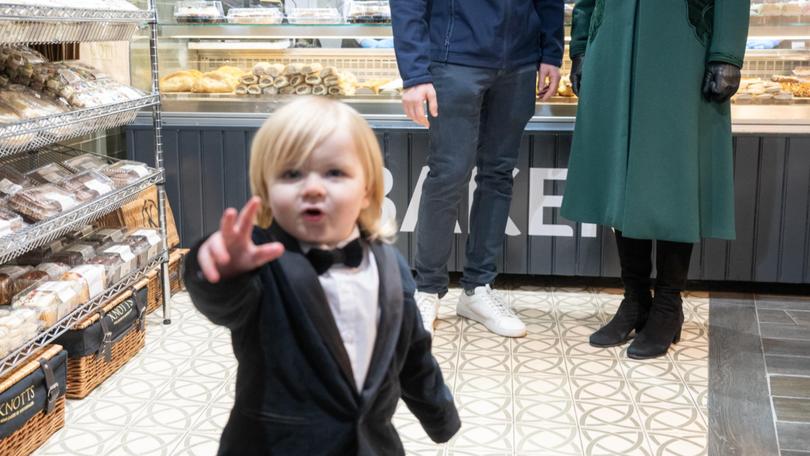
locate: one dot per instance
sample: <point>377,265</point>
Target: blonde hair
<point>294,131</point>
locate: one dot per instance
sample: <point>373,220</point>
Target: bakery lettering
<point>13,407</point>
<point>538,202</point>
<point>121,311</point>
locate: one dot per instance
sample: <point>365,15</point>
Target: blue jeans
<point>482,115</point>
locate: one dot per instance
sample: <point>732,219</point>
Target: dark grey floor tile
<point>779,331</point>
<point>801,317</point>
<point>793,436</point>
<point>788,386</point>
<point>788,365</point>
<point>740,414</point>
<point>794,453</point>
<point>786,347</point>
<point>790,409</point>
<point>774,316</point>
<point>779,302</point>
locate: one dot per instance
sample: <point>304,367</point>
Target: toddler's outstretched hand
<point>231,251</point>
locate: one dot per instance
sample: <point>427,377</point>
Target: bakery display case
<point>52,192</point>
<point>214,63</point>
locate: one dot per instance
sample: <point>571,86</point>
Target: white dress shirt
<point>353,295</point>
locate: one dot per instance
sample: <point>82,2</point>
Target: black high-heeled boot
<point>635,259</point>
<point>665,321</point>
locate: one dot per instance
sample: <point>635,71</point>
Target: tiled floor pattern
<point>549,393</point>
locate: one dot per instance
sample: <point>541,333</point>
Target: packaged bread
<point>12,181</point>
<point>85,162</point>
<point>77,235</point>
<point>53,270</point>
<point>53,300</point>
<point>106,236</point>
<point>128,260</point>
<point>10,222</point>
<point>179,81</point>
<point>88,185</point>
<point>140,246</point>
<point>30,279</point>
<point>51,173</point>
<point>39,254</point>
<point>74,255</point>
<point>126,172</point>
<point>151,237</point>
<point>92,275</point>
<point>17,326</point>
<point>112,265</point>
<point>42,202</point>
<point>8,276</point>
<point>27,104</point>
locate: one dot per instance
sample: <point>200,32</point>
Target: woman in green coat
<point>652,155</point>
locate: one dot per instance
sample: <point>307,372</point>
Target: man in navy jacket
<point>479,61</point>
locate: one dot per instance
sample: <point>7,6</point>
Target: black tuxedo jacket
<point>295,392</point>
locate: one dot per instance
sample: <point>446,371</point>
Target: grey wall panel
<point>541,249</point>
<point>768,223</point>
<point>235,161</point>
<point>795,213</point>
<point>564,248</point>
<point>741,251</point>
<point>206,170</point>
<point>212,179</point>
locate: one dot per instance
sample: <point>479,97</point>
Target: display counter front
<point>206,141</point>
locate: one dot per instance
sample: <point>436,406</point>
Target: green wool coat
<point>650,156</point>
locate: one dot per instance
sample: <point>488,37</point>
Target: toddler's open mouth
<point>313,215</point>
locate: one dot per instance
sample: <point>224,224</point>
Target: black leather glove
<point>576,72</point>
<point>721,81</point>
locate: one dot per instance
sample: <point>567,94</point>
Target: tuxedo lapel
<point>390,302</point>
<point>307,288</point>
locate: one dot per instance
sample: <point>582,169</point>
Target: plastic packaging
<point>40,203</point>
<point>85,162</point>
<point>255,16</point>
<point>369,12</point>
<point>198,11</point>
<point>88,185</point>
<point>313,16</point>
<point>126,172</point>
<point>51,173</point>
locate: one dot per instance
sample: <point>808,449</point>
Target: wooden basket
<point>85,373</point>
<point>42,426</point>
<point>142,213</point>
<point>154,293</point>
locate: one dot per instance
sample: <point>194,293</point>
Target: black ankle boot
<point>663,327</point>
<point>632,315</point>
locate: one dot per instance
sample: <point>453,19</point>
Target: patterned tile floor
<point>549,393</point>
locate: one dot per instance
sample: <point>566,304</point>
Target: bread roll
<point>331,80</point>
<point>270,90</point>
<point>289,90</point>
<point>312,68</point>
<point>313,79</point>
<point>275,70</point>
<point>231,70</point>
<point>265,81</point>
<point>261,69</point>
<point>329,71</point>
<point>296,80</point>
<point>179,81</point>
<point>215,82</point>
<point>254,90</point>
<point>303,89</point>
<point>333,90</point>
<point>293,68</point>
<point>319,89</point>
<point>281,82</point>
<point>241,89</point>
<point>249,79</point>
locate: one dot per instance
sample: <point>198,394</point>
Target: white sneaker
<point>428,305</point>
<point>488,307</point>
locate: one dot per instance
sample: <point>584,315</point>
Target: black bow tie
<point>351,255</point>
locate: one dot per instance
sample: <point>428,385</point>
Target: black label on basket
<point>122,311</point>
<point>29,396</point>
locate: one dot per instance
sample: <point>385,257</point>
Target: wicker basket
<point>85,373</point>
<point>42,426</point>
<point>155,296</point>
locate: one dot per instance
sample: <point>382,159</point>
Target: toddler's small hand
<point>231,251</point>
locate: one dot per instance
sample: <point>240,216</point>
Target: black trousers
<point>672,264</point>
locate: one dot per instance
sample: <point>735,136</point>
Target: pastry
<point>288,90</point>
<point>331,80</point>
<point>265,81</point>
<point>261,69</point>
<point>303,89</point>
<point>275,70</point>
<point>311,68</point>
<point>241,89</point>
<point>215,82</point>
<point>313,79</point>
<point>270,90</point>
<point>40,203</point>
<point>329,71</point>
<point>296,79</point>
<point>249,79</point>
<point>254,90</point>
<point>179,81</point>
<point>319,89</point>
<point>88,185</point>
<point>293,68</point>
<point>281,82</point>
<point>85,162</point>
